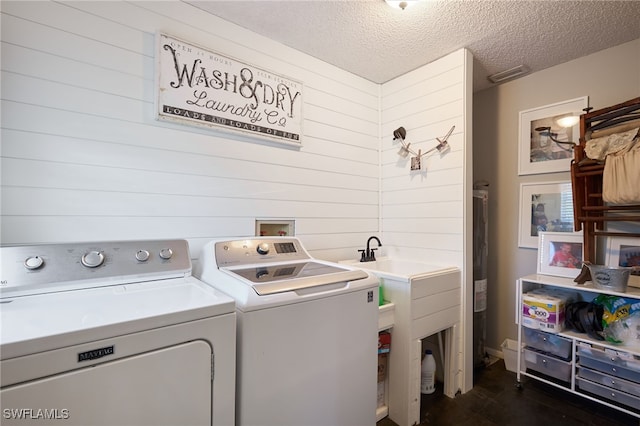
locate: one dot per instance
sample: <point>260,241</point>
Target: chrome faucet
<point>369,255</point>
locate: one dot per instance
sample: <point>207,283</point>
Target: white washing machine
<point>307,333</point>
<point>113,333</point>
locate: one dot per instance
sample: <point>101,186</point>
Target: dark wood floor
<point>496,401</point>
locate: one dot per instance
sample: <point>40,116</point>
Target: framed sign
<point>560,254</point>
<point>196,86</point>
<point>537,152</point>
<point>544,207</point>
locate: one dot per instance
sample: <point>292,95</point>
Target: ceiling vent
<point>509,74</point>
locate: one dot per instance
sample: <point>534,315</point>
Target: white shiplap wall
<point>426,214</point>
<point>422,211</point>
<point>84,159</point>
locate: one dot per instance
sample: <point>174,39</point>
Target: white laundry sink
<point>400,269</point>
<point>427,301</point>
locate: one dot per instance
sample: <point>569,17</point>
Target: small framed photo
<point>537,152</point>
<point>560,254</point>
<point>625,251</point>
<point>544,207</point>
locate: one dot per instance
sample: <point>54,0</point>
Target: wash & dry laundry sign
<point>201,88</point>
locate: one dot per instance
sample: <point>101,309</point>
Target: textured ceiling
<point>379,43</point>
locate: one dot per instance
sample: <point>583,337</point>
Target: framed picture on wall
<point>560,253</point>
<point>544,207</point>
<point>625,251</point>
<point>537,152</point>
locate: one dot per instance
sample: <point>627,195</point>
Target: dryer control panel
<point>56,267</point>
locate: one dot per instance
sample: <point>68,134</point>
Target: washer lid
<point>278,278</point>
<point>31,324</point>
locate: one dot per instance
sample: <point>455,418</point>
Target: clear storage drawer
<point>610,381</point>
<point>547,342</point>
<point>547,364</point>
<point>615,363</point>
<point>608,393</point>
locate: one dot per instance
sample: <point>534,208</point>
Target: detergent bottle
<point>428,373</point>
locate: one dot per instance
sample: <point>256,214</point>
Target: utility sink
<point>399,269</point>
<point>427,301</point>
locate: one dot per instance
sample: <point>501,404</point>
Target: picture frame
<point>624,251</point>
<point>537,153</point>
<point>544,206</point>
<point>560,253</point>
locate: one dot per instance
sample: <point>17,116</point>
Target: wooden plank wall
<point>423,212</point>
<point>83,158</point>
<point>426,215</point>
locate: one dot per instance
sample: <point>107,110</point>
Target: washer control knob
<point>142,255</point>
<point>166,253</point>
<point>263,248</point>
<point>93,259</point>
<point>33,262</point>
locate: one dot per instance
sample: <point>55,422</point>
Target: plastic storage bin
<point>607,393</point>
<point>547,342</point>
<point>510,355</point>
<point>547,364</point>
<point>614,363</point>
<point>609,381</point>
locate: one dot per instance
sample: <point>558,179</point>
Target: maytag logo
<point>95,354</point>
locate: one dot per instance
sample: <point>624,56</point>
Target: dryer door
<point>168,386</point>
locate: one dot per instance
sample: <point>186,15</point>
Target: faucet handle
<point>373,255</point>
<point>362,256</point>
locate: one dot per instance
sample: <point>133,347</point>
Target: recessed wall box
<point>275,228</point>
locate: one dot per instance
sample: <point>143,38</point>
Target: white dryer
<point>113,333</point>
<point>307,333</point>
